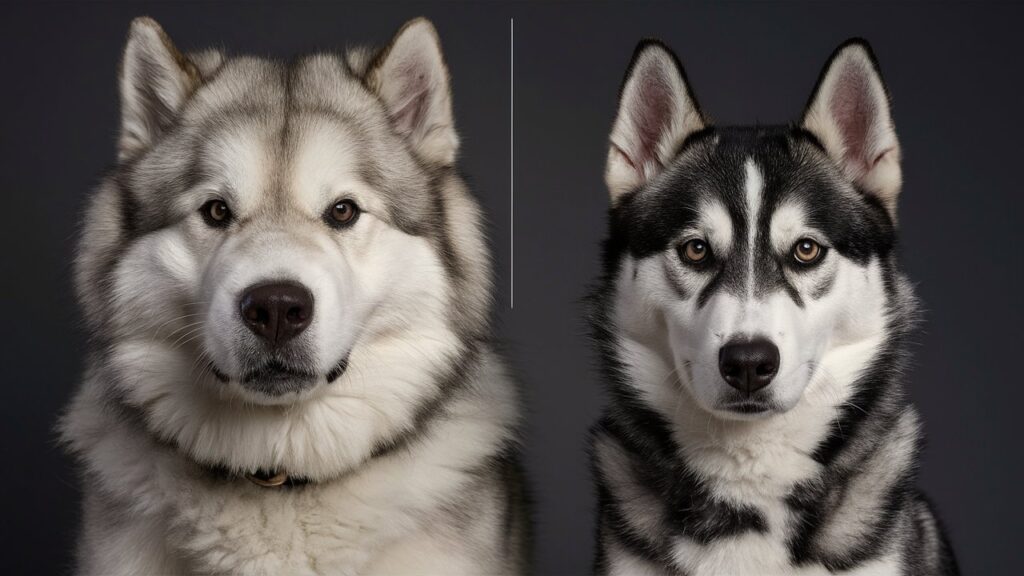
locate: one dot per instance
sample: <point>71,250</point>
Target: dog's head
<point>745,263</point>
<point>280,233</point>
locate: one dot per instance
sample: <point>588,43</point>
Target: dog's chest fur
<point>442,500</point>
<point>335,529</point>
<point>758,479</point>
<point>374,520</point>
<point>721,511</point>
<point>694,498</point>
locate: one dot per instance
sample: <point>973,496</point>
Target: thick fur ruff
<point>780,238</point>
<point>386,406</point>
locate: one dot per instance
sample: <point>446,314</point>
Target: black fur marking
<point>218,374</point>
<point>710,288</point>
<point>691,510</point>
<point>793,293</point>
<point>338,370</point>
<point>673,281</point>
<point>824,287</point>
<point>516,505</point>
<point>624,534</point>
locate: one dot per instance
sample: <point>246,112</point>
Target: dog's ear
<point>156,80</point>
<point>657,111</point>
<point>411,79</point>
<point>849,113</point>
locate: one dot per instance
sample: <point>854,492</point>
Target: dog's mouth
<point>274,371</point>
<point>275,377</point>
<point>751,408</point>
<point>748,407</point>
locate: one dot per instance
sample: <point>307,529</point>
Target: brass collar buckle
<point>267,480</point>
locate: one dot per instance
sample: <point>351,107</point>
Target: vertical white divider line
<point>511,165</point>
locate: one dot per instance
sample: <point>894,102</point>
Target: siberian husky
<point>753,324</point>
<point>288,295</point>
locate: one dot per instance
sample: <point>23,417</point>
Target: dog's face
<point>278,234</point>
<point>286,216</point>
<point>291,243</point>
<point>750,259</point>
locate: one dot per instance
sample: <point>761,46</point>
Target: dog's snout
<point>749,366</point>
<point>277,311</point>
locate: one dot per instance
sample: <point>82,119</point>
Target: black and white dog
<point>753,325</point>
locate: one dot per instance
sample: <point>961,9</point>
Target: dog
<point>752,323</point>
<point>288,290</point>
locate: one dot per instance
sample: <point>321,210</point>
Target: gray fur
<point>400,471</point>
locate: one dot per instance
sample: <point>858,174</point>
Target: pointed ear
<point>849,113</point>
<point>411,79</point>
<point>657,111</point>
<point>156,79</point>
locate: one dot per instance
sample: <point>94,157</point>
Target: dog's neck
<point>754,460</point>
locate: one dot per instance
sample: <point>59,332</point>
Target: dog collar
<point>279,479</point>
<point>269,479</point>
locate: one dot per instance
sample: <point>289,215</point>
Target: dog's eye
<point>807,251</point>
<point>695,251</point>
<point>216,213</point>
<point>342,213</point>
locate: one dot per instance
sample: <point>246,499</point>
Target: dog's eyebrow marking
<point>753,186</point>
<point>717,224</point>
<point>787,226</point>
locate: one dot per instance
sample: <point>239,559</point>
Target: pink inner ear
<point>415,85</point>
<point>652,114</point>
<point>855,113</point>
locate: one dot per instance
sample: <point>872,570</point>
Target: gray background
<point>955,74</point>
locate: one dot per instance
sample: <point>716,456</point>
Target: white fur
<point>753,186</point>
<point>670,349</point>
<point>389,491</point>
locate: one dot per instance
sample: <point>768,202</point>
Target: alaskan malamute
<point>288,292</point>
<point>753,324</point>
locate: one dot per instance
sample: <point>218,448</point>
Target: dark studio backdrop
<point>953,69</point>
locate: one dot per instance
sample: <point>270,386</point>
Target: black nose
<point>277,311</point>
<point>749,366</point>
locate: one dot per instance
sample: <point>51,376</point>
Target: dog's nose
<point>277,311</point>
<point>749,366</point>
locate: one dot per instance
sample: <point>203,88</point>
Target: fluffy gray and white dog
<point>288,294</point>
<point>753,324</point>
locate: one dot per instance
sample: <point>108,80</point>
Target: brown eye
<point>342,213</point>
<point>695,251</point>
<point>216,213</point>
<point>807,251</point>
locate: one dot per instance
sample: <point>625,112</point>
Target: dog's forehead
<point>247,83</point>
<point>302,132</point>
<point>746,173</point>
<point>754,171</point>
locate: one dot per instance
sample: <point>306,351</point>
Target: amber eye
<point>216,213</point>
<point>695,251</point>
<point>342,213</point>
<point>807,251</point>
